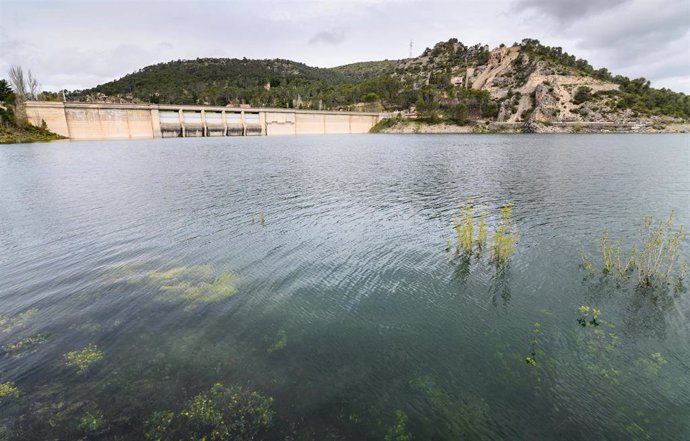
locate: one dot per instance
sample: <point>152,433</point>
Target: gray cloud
<point>334,37</point>
<point>105,39</point>
<point>568,10</point>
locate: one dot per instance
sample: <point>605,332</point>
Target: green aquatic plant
<point>262,217</point>
<point>8,390</point>
<point>8,323</point>
<point>24,344</point>
<point>84,359</point>
<point>279,343</point>
<point>531,359</point>
<point>469,243</point>
<point>464,417</point>
<point>482,231</point>
<point>654,261</point>
<point>464,229</point>
<point>182,272</point>
<point>651,366</point>
<point>222,413</point>
<point>196,284</point>
<point>398,432</point>
<point>92,422</point>
<point>659,251</point>
<point>464,226</point>
<point>585,319</point>
<point>505,237</point>
<point>600,347</point>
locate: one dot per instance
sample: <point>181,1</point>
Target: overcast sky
<point>79,44</point>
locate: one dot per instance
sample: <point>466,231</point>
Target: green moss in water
<point>84,359</point>
<point>9,323</point>
<point>651,366</point>
<point>399,431</point>
<point>222,413</point>
<point>279,343</point>
<point>25,344</point>
<point>465,417</point>
<point>92,422</point>
<point>196,284</point>
<point>8,391</point>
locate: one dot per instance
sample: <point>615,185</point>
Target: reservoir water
<point>315,270</point>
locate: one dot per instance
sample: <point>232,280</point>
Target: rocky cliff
<point>534,84</point>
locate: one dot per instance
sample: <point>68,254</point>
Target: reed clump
<point>505,237</point>
<point>653,261</point>
<point>473,236</point>
<point>464,229</point>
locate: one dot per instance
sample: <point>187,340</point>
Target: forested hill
<point>222,81</point>
<point>524,82</point>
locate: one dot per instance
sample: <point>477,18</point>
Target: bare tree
<point>18,82</point>
<point>34,88</point>
<point>26,86</point>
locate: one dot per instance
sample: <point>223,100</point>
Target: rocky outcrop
<point>525,87</point>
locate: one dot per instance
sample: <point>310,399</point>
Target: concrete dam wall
<point>141,121</point>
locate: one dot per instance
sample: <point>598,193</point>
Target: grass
<point>25,134</point>
<point>383,124</point>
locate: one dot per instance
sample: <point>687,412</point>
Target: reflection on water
<point>305,286</point>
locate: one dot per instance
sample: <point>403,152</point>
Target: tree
<point>459,115</point>
<point>6,94</point>
<point>26,86</point>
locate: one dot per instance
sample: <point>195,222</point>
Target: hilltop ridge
<point>525,83</point>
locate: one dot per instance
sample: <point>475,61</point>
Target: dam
<point>81,121</point>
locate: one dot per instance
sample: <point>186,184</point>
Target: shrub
<point>582,95</point>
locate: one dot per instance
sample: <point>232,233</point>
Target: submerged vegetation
<point>194,285</point>
<point>585,319</point>
<point>652,262</point>
<point>452,417</point>
<point>84,359</point>
<point>7,391</point>
<point>222,413</point>
<point>24,344</point>
<point>9,323</point>
<point>531,359</point>
<point>92,422</point>
<point>399,431</point>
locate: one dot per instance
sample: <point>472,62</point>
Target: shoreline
<point>414,127</point>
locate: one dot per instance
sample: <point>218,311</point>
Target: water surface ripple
<point>348,306</point>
